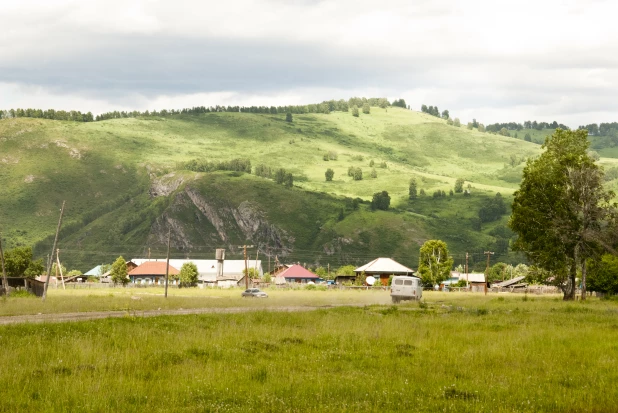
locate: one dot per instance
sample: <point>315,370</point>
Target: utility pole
<point>489,254</point>
<point>59,268</point>
<point>467,282</point>
<point>328,266</point>
<point>167,262</point>
<point>5,280</point>
<point>244,247</point>
<point>49,260</point>
<point>246,269</point>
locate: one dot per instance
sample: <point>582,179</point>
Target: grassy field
<point>455,353</point>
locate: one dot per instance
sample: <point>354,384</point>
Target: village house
<point>383,268</point>
<point>151,273</point>
<point>295,274</point>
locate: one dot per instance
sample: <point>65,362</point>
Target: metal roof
<point>384,266</point>
<point>297,271</point>
<point>153,268</point>
<point>96,271</point>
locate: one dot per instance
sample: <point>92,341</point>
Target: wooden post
<point>5,280</point>
<point>257,254</point>
<point>488,253</point>
<point>167,262</point>
<point>467,281</point>
<point>59,268</point>
<point>49,261</point>
<point>246,269</point>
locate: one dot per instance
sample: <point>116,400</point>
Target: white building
<point>232,272</point>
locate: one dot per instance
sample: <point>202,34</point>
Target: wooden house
<point>151,272</point>
<point>383,268</point>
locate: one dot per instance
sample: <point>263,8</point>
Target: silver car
<point>254,292</point>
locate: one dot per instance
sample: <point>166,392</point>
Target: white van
<point>405,287</point>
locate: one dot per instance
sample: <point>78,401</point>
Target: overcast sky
<point>492,60</point>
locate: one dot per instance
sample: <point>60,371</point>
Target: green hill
<point>124,184</point>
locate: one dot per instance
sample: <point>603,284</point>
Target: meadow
<point>455,352</point>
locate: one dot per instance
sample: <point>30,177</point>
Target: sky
<point>495,61</point>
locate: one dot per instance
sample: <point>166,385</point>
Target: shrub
<point>329,174</point>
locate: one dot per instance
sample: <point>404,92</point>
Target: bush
<point>381,200</point>
<point>329,174</point>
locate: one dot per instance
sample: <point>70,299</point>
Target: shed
<point>383,268</point>
<point>151,272</point>
<point>477,282</point>
<point>31,285</point>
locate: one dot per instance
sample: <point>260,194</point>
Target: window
<point>398,282</point>
<point>407,282</point>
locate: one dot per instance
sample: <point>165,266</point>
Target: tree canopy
<point>381,200</point>
<point>19,262</point>
<point>119,272</point>
<point>562,214</point>
<point>434,265</point>
<point>188,274</point>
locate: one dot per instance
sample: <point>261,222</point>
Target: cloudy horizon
<point>493,61</point>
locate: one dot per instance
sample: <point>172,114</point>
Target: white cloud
<point>496,61</point>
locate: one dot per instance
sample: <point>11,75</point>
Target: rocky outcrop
<point>165,185</point>
<point>244,221</point>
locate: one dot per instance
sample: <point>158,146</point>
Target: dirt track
<point>96,315</point>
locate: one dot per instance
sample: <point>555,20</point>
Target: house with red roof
<point>151,272</point>
<point>296,274</point>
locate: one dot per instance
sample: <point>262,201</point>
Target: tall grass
<point>514,356</point>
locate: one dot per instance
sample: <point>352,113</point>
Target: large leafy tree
<point>561,213</point>
<point>188,274</point>
<point>119,272</point>
<point>20,263</point>
<point>434,264</point>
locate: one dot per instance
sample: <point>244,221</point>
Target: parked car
<point>254,292</point>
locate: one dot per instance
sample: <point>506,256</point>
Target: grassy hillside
<point>105,171</point>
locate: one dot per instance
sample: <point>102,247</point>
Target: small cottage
<point>151,273</point>
<point>383,268</point>
<point>296,274</point>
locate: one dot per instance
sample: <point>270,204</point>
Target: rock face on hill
<point>197,220</point>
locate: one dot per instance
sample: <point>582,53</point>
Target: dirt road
<point>96,315</point>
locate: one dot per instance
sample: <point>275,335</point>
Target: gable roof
<point>473,277</point>
<point>96,271</point>
<point>384,266</point>
<point>297,271</point>
<point>153,268</point>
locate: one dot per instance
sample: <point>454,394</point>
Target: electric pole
<point>467,283</point>
<point>244,247</point>
<point>489,254</point>
<point>5,280</point>
<point>49,260</point>
<point>167,262</point>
